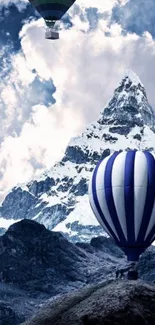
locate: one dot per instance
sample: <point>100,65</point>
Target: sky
<point>50,90</point>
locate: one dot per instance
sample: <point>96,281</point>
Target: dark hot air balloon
<point>122,197</point>
<point>52,11</point>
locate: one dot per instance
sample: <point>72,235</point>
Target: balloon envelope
<point>122,197</point>
<point>52,10</point>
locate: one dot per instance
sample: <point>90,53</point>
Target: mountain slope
<point>108,303</point>
<point>37,264</point>
<point>45,263</point>
<point>59,199</point>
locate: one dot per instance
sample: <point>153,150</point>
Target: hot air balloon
<point>52,11</point>
<point>122,197</point>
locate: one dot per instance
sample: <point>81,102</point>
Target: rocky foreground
<point>119,302</point>
<point>37,265</point>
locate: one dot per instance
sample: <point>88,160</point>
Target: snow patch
<point>133,77</point>
<point>82,214</point>
<point>6,223</point>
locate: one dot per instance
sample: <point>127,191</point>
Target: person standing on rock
<point>131,269</point>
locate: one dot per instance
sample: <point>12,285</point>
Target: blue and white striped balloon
<point>122,197</point>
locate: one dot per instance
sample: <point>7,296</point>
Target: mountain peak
<point>59,199</point>
<point>131,76</point>
<point>129,104</point>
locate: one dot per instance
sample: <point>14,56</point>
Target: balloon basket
<point>51,34</point>
<point>133,271</point>
<point>132,275</point>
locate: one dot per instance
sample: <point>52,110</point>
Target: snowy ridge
<point>132,77</point>
<point>116,141</point>
<point>59,199</point>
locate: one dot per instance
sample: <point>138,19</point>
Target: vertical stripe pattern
<point>122,196</point>
<point>52,9</point>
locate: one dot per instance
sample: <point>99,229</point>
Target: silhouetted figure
<point>131,269</point>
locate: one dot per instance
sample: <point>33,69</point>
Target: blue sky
<point>51,90</point>
<point>136,16</point>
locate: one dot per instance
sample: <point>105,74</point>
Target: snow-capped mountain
<point>59,199</point>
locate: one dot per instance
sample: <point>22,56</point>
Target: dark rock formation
<point>40,187</point>
<point>147,265</point>
<point>39,260</point>
<point>16,305</point>
<point>17,204</point>
<point>7,315</point>
<point>108,303</point>
<point>45,263</point>
<point>80,188</point>
<point>37,264</point>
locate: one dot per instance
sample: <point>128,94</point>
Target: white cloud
<point>21,4</point>
<point>42,140</point>
<point>85,68</point>
<point>101,5</point>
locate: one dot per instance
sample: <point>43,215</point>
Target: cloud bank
<point>52,90</point>
<point>135,16</point>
